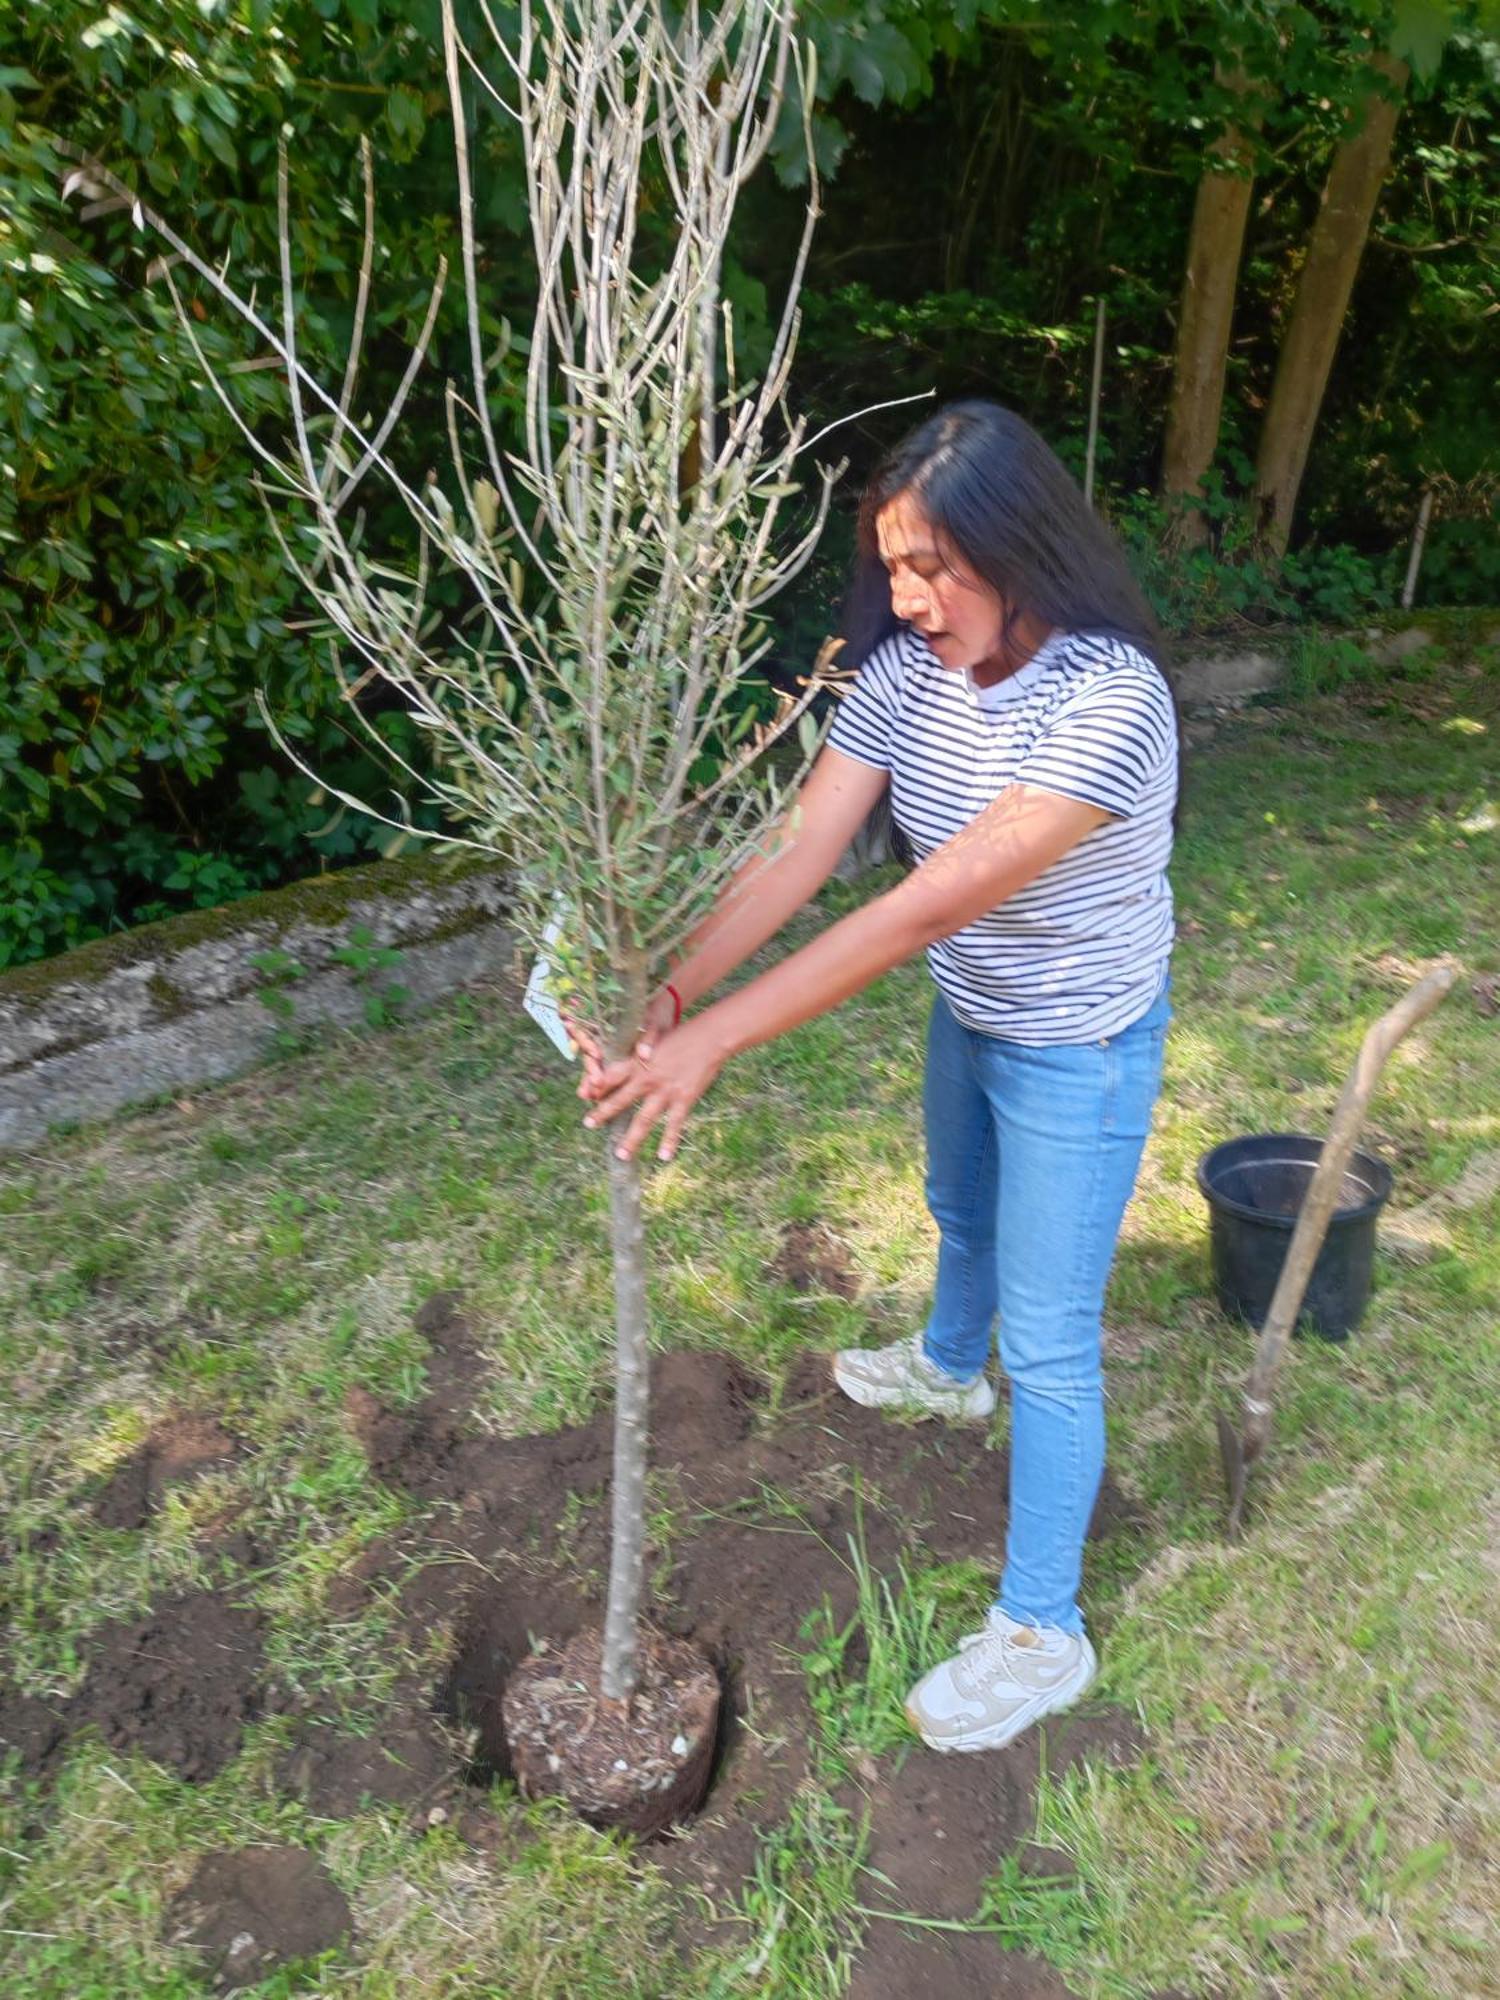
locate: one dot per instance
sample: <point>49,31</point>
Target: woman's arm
<point>1006,846</point>
<point>833,804</point>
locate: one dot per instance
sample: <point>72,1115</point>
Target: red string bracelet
<point>676,1003</point>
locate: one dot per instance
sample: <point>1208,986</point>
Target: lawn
<point>223,1391</point>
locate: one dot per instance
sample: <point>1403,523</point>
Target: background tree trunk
<point>1312,336</point>
<point>1215,243</point>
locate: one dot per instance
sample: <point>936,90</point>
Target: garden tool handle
<point>1323,1192</point>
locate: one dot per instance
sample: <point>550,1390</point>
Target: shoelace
<point>982,1652</point>
<point>896,1363</point>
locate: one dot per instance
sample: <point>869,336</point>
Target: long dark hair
<point>1000,497</point>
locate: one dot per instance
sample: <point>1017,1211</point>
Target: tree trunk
<point>632,1396</point>
<point>1215,242</point>
<point>619,1669</point>
<point>1312,336</point>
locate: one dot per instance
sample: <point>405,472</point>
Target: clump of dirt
<point>180,1449</point>
<point>409,1762</point>
<point>510,1491</point>
<point>900,1962</point>
<point>31,1732</point>
<point>1107,1736</point>
<point>179,1685</point>
<point>701,1404</point>
<point>252,1909</point>
<point>937,1823</point>
<point>401,1444</point>
<point>812,1259</point>
<point>937,1486</point>
<point>1045,1864</point>
<point>431,1450</point>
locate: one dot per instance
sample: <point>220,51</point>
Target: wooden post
<point>1088,463</point>
<point>1418,543</point>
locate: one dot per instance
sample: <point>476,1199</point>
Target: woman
<point>1008,695</point>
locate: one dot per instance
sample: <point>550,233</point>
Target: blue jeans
<point>1031,1157</point>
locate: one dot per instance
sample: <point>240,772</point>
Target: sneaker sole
<point>871,1398</point>
<point>1005,1733</point>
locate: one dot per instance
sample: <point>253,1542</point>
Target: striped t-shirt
<point>1082,951</point>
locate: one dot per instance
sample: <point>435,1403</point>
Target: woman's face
<point>934,591</point>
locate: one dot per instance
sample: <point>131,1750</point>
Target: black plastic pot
<point>1254,1188</point>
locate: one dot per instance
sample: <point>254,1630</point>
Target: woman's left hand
<point>666,1087</point>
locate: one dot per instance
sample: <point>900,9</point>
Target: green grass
<point>1316,1814</point>
<point>904,1623</point>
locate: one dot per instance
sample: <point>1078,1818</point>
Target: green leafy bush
<point>1461,562</point>
<point>143,598</point>
<point>1229,582</point>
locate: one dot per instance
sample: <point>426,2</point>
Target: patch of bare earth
<point>408,1762</point>
<point>179,1450</point>
<point>179,1685</point>
<point>938,1823</point>
<point>32,1732</point>
<point>774,1507</point>
<point>936,1828</point>
<point>901,1962</point>
<point>812,1259</point>
<point>768,1507</point>
<point>249,1910</point>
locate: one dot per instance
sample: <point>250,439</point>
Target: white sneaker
<point>999,1682</point>
<point>901,1377</point>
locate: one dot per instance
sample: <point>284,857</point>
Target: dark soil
<point>776,1506</point>
<point>766,1503</point>
<point>938,1823</point>
<point>936,1826</point>
<point>31,1732</point>
<point>900,1962</point>
<point>1046,1864</point>
<point>181,1449</point>
<point>409,1762</point>
<point>178,1685</point>
<point>251,1909</point>
<point>498,1629</point>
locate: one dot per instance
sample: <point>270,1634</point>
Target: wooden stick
<point>1322,1198</point>
<point>1093,445</point>
<point>1418,543</point>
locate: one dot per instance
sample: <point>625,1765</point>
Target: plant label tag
<point>541,1002</point>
